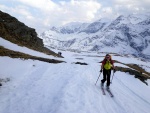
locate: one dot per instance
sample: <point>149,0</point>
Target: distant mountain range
<point>124,35</point>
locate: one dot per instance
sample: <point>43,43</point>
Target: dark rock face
<point>16,32</point>
<point>94,27</point>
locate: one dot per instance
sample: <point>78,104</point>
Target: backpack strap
<point>104,61</point>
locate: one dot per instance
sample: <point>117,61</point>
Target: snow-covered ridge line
<point>124,35</point>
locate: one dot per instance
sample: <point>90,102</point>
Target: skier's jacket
<point>107,64</point>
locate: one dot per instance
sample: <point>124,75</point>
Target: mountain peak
<point>126,34</point>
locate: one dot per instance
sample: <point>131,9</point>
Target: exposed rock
<point>16,32</point>
<point>137,74</point>
<point>81,63</point>
<point>0,84</point>
<point>15,54</point>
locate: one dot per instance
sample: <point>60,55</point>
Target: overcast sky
<point>41,14</point>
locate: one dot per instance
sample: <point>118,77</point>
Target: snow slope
<point>39,87</point>
<point>9,45</point>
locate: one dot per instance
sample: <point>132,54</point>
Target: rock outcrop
<point>17,32</point>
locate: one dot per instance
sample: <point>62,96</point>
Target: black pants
<point>106,76</point>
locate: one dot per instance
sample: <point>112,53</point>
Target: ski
<point>103,91</point>
<point>110,93</point>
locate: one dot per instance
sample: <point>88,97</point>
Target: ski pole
<point>112,78</point>
<point>98,78</point>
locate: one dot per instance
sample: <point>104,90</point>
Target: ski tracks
<point>69,88</point>
<point>74,96</point>
<point>79,95</point>
<point>125,99</point>
<point>21,94</point>
<point>129,99</point>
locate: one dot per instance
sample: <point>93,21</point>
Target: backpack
<point>107,64</point>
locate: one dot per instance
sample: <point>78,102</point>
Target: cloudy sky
<point>41,14</point>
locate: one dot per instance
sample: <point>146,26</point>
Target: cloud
<point>46,5</point>
<point>113,8</point>
<point>132,6</point>
<point>80,10</point>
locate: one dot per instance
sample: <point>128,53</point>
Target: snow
<point>146,51</point>
<point>39,87</point>
<point>26,50</point>
<point>125,35</point>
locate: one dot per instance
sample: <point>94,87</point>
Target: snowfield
<point>39,87</point>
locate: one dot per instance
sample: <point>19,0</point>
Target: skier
<point>107,65</point>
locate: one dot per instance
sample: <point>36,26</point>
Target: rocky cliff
<point>17,32</point>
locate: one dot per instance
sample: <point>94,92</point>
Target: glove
<point>101,70</point>
<point>114,70</point>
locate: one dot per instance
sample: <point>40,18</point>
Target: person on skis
<point>107,65</point>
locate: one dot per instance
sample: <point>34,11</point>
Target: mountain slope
<point>125,35</point>
<point>17,32</point>
<point>40,87</point>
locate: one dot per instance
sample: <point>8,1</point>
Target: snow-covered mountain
<point>125,35</point>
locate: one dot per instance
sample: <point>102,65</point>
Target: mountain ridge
<point>131,34</point>
<point>17,32</point>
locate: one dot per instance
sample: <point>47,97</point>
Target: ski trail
<point>125,104</point>
<point>75,93</point>
<point>70,88</point>
<point>108,103</point>
<point>59,87</point>
<point>25,86</point>
<point>78,95</point>
<point>129,99</point>
<point>85,97</point>
<point>135,94</point>
<point>41,89</point>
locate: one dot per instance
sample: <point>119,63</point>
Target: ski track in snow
<point>67,88</point>
<point>137,100</point>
